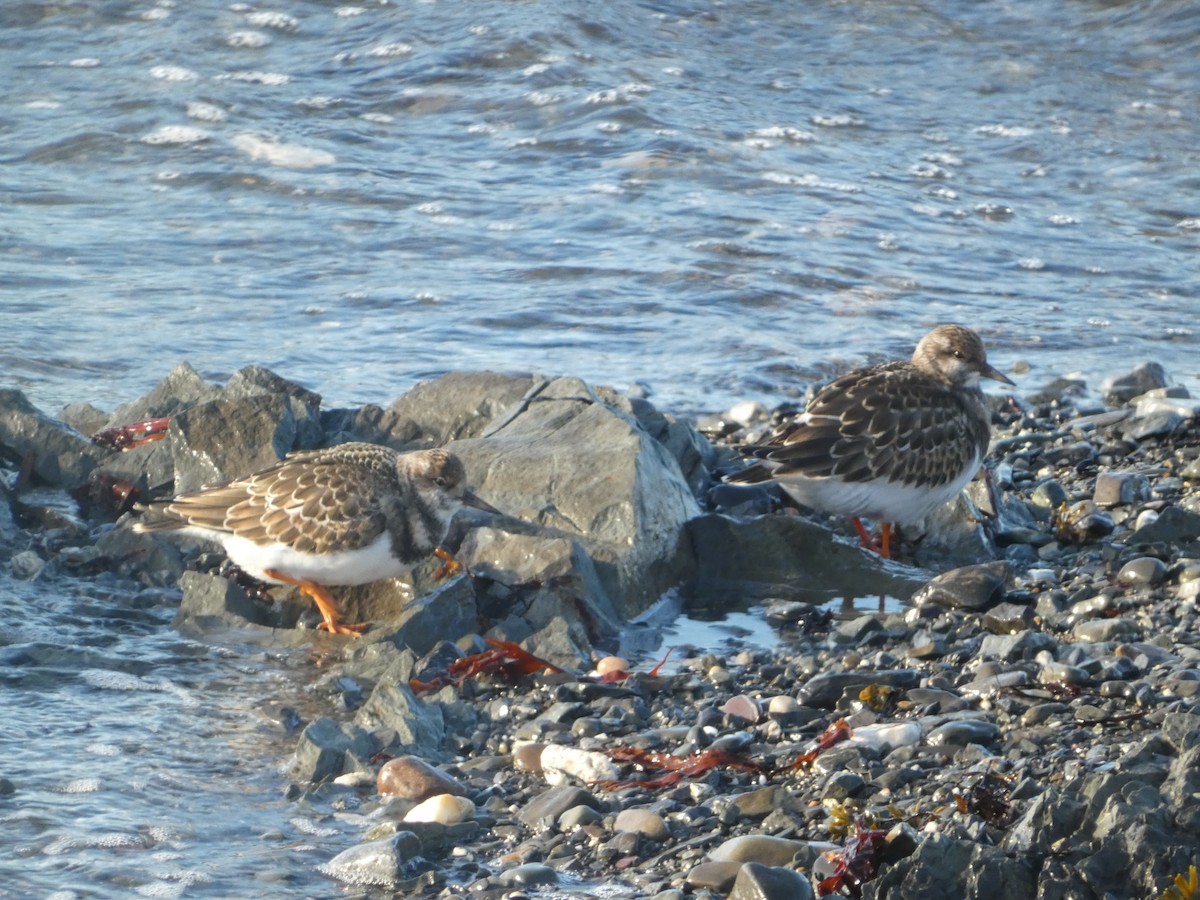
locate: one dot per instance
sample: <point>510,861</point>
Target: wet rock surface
<point>1027,724</point>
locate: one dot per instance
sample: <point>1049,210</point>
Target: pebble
<point>381,862</point>
<point>761,848</point>
<point>414,779</point>
<point>445,809</point>
<point>642,821</point>
<point>562,764</point>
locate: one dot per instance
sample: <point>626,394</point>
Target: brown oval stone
<point>414,779</point>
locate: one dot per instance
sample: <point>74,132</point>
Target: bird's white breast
<point>371,563</point>
<point>887,501</point>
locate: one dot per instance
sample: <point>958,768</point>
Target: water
<point>717,201</point>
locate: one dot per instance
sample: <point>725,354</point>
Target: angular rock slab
<point>376,862</point>
<point>788,556</point>
<point>61,455</point>
<point>580,464</point>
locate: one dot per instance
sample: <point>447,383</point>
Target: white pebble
<point>561,764</point>
<point>446,809</point>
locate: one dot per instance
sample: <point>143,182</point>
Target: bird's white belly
<point>887,501</point>
<point>371,563</point>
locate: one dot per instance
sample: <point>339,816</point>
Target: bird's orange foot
<point>341,628</point>
<point>882,546</point>
<point>450,566</point>
<point>326,605</point>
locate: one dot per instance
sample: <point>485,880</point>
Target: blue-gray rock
<point>553,803</point>
<point>60,455</point>
<point>758,882</point>
<point>327,749</point>
<point>963,731</point>
<point>381,862</point>
<point>418,726</point>
<point>1008,618</point>
<point>1146,571</point>
<point>228,438</point>
<point>539,459</point>
<point>1174,525</point>
<point>528,875</point>
<point>1120,389</point>
<point>826,689</point>
<point>972,588</point>
<point>1013,647</point>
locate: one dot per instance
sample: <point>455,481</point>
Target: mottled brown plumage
<point>891,441</point>
<point>344,515</point>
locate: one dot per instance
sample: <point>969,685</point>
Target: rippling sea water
<point>713,200</point>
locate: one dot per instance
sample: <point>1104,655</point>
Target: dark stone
<point>785,555</point>
<point>528,875</point>
<point>824,690</point>
<point>1174,525</point>
<point>939,868</point>
<point>1008,618</point>
<point>183,387</point>
<point>758,882</point>
<point>553,803</point>
<point>446,610</point>
<point>1120,389</point>
<point>210,600</point>
<point>61,456</point>
<point>972,588</point>
<point>842,785</point>
<point>327,748</point>
<point>230,438</point>
<point>418,726</point>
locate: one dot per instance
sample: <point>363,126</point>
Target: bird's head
<point>956,355</point>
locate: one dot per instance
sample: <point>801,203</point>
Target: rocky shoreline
<point>1027,725</point>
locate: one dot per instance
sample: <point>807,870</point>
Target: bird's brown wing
<point>307,504</point>
<point>885,423</point>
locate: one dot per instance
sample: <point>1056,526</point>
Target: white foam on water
<point>288,156</point>
<point>173,73</point>
<point>176,135</point>
<point>248,40</point>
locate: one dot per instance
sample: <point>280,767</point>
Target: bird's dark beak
<point>995,374</point>
<point>470,499</point>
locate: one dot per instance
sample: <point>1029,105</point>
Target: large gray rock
<point>327,749</point>
<point>790,556</point>
<point>379,862</point>
<point>231,437</point>
<point>418,726</point>
<point>61,455</point>
<point>418,621</point>
<point>580,464</point>
<point>183,387</point>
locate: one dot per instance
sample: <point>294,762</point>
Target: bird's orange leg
<point>325,603</point>
<point>883,546</point>
<point>864,537</point>
<point>450,565</point>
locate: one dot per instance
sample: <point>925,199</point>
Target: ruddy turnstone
<point>890,442</point>
<point>345,515</point>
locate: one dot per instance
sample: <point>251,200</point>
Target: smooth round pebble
<point>445,809</point>
<point>610,664</point>
<point>642,821</point>
<point>414,779</point>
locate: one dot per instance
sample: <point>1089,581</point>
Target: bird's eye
<point>440,481</point>
<point>958,354</point>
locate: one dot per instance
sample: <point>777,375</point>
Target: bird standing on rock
<point>345,515</point>
<point>890,442</point>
